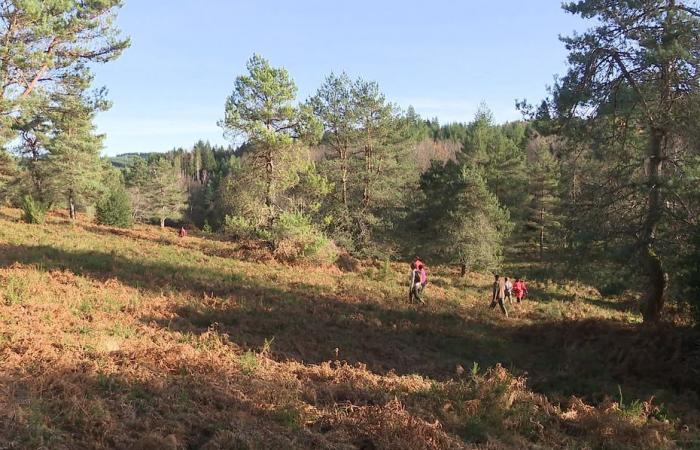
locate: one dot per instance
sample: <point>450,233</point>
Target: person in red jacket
<point>519,289</point>
<point>417,264</point>
<point>420,268</point>
<point>183,232</point>
<point>419,278</point>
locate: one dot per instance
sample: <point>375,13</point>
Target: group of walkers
<point>503,288</point>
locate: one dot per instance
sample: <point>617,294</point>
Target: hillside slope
<point>137,339</point>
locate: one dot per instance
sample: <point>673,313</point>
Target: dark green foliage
<point>542,221</point>
<point>296,239</point>
<point>370,162</point>
<point>690,274</point>
<point>114,209</point>
<point>460,221</point>
<point>502,162</point>
<point>629,98</point>
<point>33,211</point>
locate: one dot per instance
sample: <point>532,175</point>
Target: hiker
<point>519,289</point>
<point>499,293</point>
<point>417,263</point>
<point>182,233</point>
<point>418,280</point>
<point>509,290</point>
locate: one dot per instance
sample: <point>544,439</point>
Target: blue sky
<point>443,57</point>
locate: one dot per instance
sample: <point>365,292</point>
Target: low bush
<point>296,239</point>
<point>238,227</point>
<point>114,209</point>
<point>33,211</point>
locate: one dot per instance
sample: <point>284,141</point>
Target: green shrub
<point>114,209</point>
<point>33,211</point>
<point>238,227</point>
<point>296,239</point>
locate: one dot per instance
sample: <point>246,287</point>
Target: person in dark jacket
<point>499,294</point>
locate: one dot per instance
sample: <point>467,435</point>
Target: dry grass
<point>138,339</point>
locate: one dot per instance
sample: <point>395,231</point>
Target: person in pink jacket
<point>419,278</point>
<point>519,289</point>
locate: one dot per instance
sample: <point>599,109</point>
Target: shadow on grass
<point>593,357</point>
<point>206,244</point>
<point>543,295</point>
<point>587,358</point>
<point>306,324</point>
<point>192,403</point>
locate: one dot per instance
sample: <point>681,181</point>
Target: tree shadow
<point>306,324</point>
<point>205,244</point>
<point>194,403</point>
<point>539,294</point>
<point>596,357</point>
<point>142,273</point>
<point>315,329</point>
<point>310,325</point>
<point>9,218</point>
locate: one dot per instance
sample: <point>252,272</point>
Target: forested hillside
<point>284,296</point>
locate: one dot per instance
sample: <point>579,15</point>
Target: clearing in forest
<point>138,339</point>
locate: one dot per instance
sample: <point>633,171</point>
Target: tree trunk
<point>344,177</point>
<point>368,176</point>
<point>463,270</point>
<point>541,234</point>
<point>656,277</point>
<point>268,180</point>
<point>162,222</point>
<point>71,207</point>
<point>657,281</point>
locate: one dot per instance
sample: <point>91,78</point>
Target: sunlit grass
<point>100,328</point>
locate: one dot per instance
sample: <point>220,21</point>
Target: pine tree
<point>635,76</point>
<point>488,147</point>
<point>114,209</point>
<point>136,177</point>
<point>386,164</point>
<point>261,110</point>
<point>164,190</point>
<point>464,221</point>
<point>72,171</point>
<point>543,219</point>
<point>45,45</point>
<point>336,108</point>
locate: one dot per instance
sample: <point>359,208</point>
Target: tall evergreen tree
<point>165,191</point>
<point>464,221</point>
<point>543,220</point>
<point>46,44</point>
<point>336,108</point>
<point>261,110</point>
<point>387,167</point>
<point>637,73</point>
<point>72,170</point>
<point>488,147</point>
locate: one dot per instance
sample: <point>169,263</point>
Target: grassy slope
<point>138,339</point>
